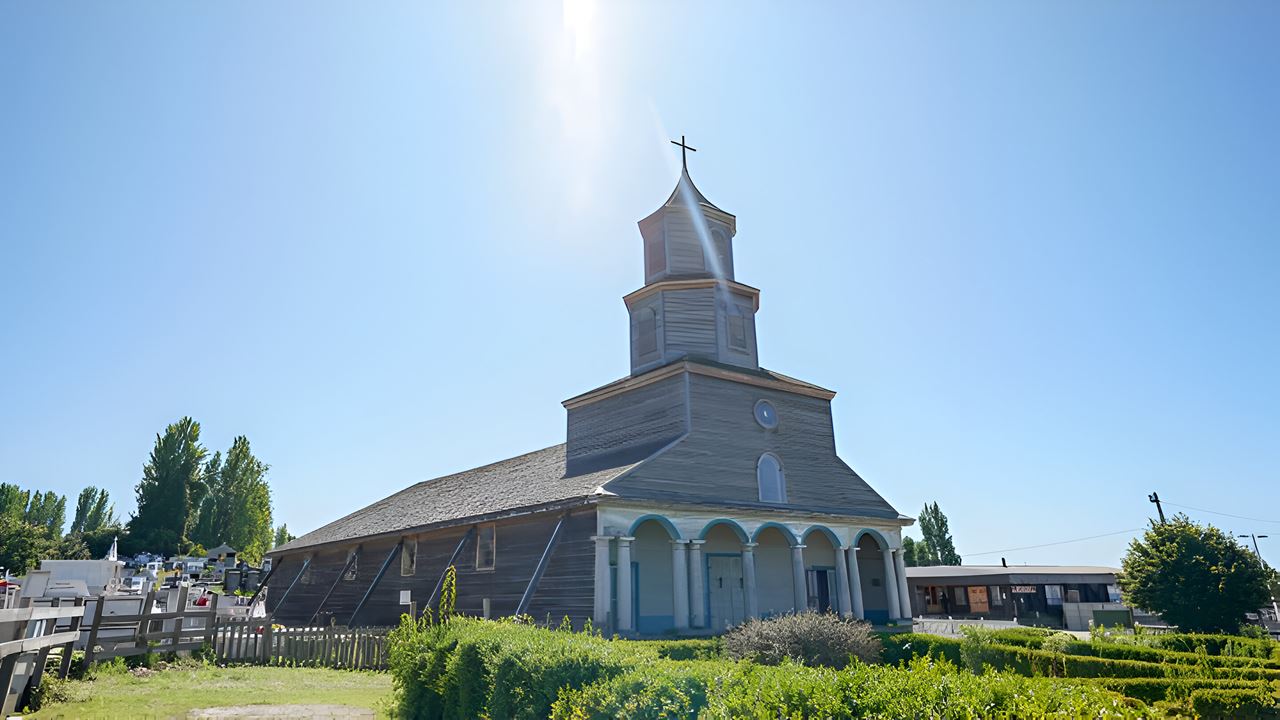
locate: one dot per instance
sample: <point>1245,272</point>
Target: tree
<point>47,510</point>
<point>910,548</point>
<point>22,545</point>
<point>94,511</point>
<point>1196,577</point>
<point>283,536</point>
<point>170,476</point>
<point>13,501</point>
<point>237,507</point>
<point>938,547</point>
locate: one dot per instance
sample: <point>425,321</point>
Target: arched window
<point>646,331</point>
<point>773,484</point>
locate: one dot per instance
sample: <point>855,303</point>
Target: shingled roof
<point>532,480</point>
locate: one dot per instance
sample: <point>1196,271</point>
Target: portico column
<point>749,579</point>
<point>890,585</point>
<point>600,613</point>
<point>842,581</point>
<point>797,570</point>
<point>697,595</point>
<point>679,584</point>
<point>855,579</point>
<point>624,585</point>
<point>904,593</point>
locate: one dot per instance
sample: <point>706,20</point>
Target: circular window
<point>766,415</point>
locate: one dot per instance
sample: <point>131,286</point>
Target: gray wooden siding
<point>625,428</point>
<point>689,326</point>
<point>684,249</point>
<point>649,359</point>
<point>520,543</point>
<point>716,462</point>
<point>743,306</point>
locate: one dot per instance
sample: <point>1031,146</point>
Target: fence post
<point>76,621</point>
<point>266,642</point>
<point>93,632</point>
<point>144,621</point>
<point>211,623</point>
<point>176,637</point>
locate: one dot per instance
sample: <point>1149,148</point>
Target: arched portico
<point>652,572</point>
<point>820,569</point>
<point>869,554</point>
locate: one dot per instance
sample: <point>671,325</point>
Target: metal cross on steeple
<point>684,152</point>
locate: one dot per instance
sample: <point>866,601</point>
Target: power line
<point>1060,542</point>
<point>1215,512</point>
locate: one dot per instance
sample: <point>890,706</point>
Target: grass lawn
<point>171,693</point>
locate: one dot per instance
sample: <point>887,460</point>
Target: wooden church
<point>700,490</point>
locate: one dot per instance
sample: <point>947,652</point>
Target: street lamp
<point>1275,607</point>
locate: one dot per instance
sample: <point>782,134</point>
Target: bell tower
<point>690,305</point>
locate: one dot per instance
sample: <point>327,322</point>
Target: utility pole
<point>1155,498</point>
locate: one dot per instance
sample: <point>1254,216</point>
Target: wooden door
<point>728,602</point>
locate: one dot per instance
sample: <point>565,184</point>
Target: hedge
<point>1153,690</point>
<point>1235,704</point>
<point>692,649</point>
<point>469,668</point>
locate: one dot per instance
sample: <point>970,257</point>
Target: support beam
<point>262,584</point>
<point>395,549</point>
<point>541,568</point>
<point>435,594</point>
<point>800,587</point>
<point>354,556</point>
<point>697,590</point>
<point>891,584</point>
<point>624,620</point>
<point>305,564</point>
<point>749,580</point>
<point>842,581</point>
<point>603,595</point>
<point>680,584</point>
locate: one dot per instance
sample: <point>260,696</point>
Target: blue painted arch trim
<point>831,535</point>
<point>737,529</point>
<point>664,522</point>
<point>881,539</point>
<point>786,532</point>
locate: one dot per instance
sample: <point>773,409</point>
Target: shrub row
<point>1215,704</point>
<point>977,654</point>
<point>1223,650</point>
<point>1153,690</point>
<point>690,649</point>
<point>469,668</point>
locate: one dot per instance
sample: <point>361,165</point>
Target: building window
<point>646,332</point>
<point>486,547</point>
<point>996,597</point>
<point>409,557</point>
<point>1053,594</point>
<point>1113,594</point>
<point>765,414</point>
<point>655,257</point>
<point>353,568</point>
<point>772,482</point>
<point>738,332</point>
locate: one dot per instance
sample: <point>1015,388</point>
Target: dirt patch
<point>258,712</point>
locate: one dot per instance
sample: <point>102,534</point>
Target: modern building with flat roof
<point>1067,596</point>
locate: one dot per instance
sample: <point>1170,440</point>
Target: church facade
<point>696,492</point>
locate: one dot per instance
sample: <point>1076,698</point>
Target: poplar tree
<point>938,547</point>
<point>94,511</point>
<point>169,478</point>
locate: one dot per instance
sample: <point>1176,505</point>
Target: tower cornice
<point>692,284</point>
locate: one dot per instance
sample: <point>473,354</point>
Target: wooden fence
<point>28,636</point>
<point>256,640</point>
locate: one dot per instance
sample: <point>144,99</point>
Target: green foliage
<point>808,638</point>
<point>471,668</point>
<point>910,550</point>
<point>691,649</point>
<point>282,536</point>
<point>22,545</point>
<point>448,593</point>
<point>937,547</point>
<point>1238,704</point>
<point>47,510</point>
<point>13,501</point>
<point>1197,577</point>
<point>170,480</point>
<point>94,511</point>
<point>235,504</point>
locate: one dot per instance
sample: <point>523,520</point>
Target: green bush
<point>808,638</point>
<point>1237,704</point>
<point>467,668</point>
<point>692,649</point>
<point>1153,690</point>
<point>900,648</point>
<point>1218,645</point>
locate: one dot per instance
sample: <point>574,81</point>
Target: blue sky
<point>1032,245</point>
